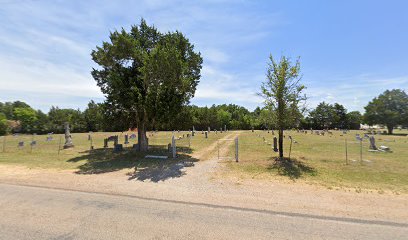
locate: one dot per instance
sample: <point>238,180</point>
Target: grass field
<point>49,154</point>
<point>314,159</point>
<point>321,159</point>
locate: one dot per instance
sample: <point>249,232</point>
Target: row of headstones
<point>115,140</point>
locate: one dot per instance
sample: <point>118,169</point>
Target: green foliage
<point>354,119</point>
<point>389,108</point>
<point>147,76</point>
<point>328,116</point>
<point>282,92</point>
<point>93,116</point>
<point>26,116</point>
<point>4,129</point>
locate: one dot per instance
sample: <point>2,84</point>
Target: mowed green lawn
<point>321,160</point>
<point>49,154</point>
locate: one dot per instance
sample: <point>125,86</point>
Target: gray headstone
<point>68,138</point>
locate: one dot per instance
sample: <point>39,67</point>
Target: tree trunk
<point>280,143</point>
<point>142,138</point>
<point>390,128</point>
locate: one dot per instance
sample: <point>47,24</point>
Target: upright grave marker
<point>68,138</point>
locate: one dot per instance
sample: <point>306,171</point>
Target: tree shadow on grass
<point>292,168</point>
<point>100,161</point>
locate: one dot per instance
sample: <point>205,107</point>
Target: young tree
<point>282,92</point>
<point>389,108</point>
<point>146,75</point>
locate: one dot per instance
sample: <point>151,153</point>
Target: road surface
<point>46,213</point>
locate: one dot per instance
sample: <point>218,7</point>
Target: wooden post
<point>91,143</point>
<point>218,149</point>
<point>173,144</point>
<point>345,140</point>
<point>31,144</point>
<point>361,151</point>
<point>59,145</point>
<point>4,143</point>
<point>290,148</point>
<point>236,149</point>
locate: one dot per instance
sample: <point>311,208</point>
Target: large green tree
<point>389,108</point>
<point>282,92</point>
<point>146,75</point>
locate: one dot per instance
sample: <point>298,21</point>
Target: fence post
<point>189,141</point>
<point>59,144</point>
<point>236,149</point>
<point>361,151</point>
<point>4,143</point>
<point>31,144</point>
<point>345,140</point>
<point>290,149</point>
<point>218,148</point>
<point>173,144</point>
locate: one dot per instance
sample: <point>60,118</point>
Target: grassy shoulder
<point>50,155</point>
<point>321,160</point>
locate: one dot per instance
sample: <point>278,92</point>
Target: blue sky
<point>350,51</point>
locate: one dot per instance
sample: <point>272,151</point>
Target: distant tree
<point>41,125</point>
<point>339,117</point>
<point>3,124</point>
<point>93,116</point>
<point>58,117</point>
<point>223,118</point>
<point>282,92</point>
<point>354,119</point>
<point>27,118</point>
<point>322,117</point>
<point>147,76</point>
<point>389,108</point>
<point>8,108</point>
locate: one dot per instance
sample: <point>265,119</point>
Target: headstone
<point>126,139</point>
<point>225,128</point>
<point>20,144</point>
<point>105,142</point>
<point>252,129</point>
<point>206,134</point>
<point>209,129</point>
<point>372,143</point>
<point>49,138</point>
<point>33,143</point>
<point>133,136</point>
<point>68,138</point>
<point>89,137</point>
<point>118,148</point>
<point>275,144</point>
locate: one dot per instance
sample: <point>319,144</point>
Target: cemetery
<point>337,159</point>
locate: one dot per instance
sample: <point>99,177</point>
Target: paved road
<point>42,213</point>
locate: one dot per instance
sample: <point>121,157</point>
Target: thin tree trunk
<point>142,138</point>
<point>390,128</point>
<point>280,143</point>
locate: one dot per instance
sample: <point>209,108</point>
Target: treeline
<point>19,117</point>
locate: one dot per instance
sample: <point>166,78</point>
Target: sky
<point>350,51</point>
